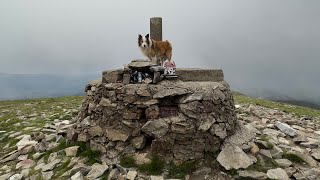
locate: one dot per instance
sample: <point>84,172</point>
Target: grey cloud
<point>261,45</point>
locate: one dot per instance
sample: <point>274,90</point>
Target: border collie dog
<point>155,50</point>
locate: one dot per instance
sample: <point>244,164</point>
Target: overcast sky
<point>261,45</point>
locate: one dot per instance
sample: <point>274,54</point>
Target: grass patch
<point>263,164</point>
<point>36,100</point>
<point>297,110</point>
<point>92,156</point>
<point>292,157</point>
<point>264,137</point>
<point>154,167</point>
<point>66,117</point>
<point>6,140</point>
<point>33,172</point>
<point>105,175</point>
<point>233,172</point>
<point>210,159</point>
<point>84,150</point>
<point>58,171</point>
<point>128,161</point>
<point>61,146</point>
<point>179,172</point>
<point>269,145</point>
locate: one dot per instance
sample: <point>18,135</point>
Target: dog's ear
<point>147,36</point>
<point>140,37</point>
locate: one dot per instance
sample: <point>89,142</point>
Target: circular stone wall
<point>175,120</point>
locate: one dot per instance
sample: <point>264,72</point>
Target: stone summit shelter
<point>177,120</point>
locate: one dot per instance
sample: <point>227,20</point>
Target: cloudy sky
<point>268,45</point>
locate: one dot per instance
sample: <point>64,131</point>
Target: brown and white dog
<point>155,50</point>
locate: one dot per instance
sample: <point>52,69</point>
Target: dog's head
<point>144,41</point>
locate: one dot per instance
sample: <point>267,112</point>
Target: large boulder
<point>233,157</point>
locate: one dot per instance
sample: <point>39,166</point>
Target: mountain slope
<point>289,108</point>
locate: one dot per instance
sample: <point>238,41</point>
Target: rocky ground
<point>273,141</point>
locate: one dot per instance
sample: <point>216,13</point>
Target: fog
<point>264,47</point>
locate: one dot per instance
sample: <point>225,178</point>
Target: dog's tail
<point>169,44</point>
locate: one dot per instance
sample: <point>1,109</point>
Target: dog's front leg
<point>149,58</point>
<point>154,60</point>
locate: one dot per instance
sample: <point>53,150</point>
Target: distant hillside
<point>311,101</point>
<point>299,103</point>
<point>26,86</point>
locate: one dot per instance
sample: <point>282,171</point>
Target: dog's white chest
<point>146,51</point>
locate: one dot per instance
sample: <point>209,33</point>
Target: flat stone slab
<point>141,64</point>
<point>183,74</point>
<point>197,74</point>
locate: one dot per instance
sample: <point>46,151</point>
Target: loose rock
<point>283,162</point>
<point>47,175</point>
<point>252,175</point>
<point>114,173</point>
<point>96,171</point>
<point>25,164</point>
<point>139,142</point>
<point>285,128</point>
<point>132,175</point>
<point>77,176</point>
<point>232,157</point>
<point>277,174</point>
<point>16,177</point>
<point>156,178</point>
<point>50,165</point>
<point>72,151</point>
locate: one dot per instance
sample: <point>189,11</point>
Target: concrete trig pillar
<point>156,28</point>
<point>156,31</point>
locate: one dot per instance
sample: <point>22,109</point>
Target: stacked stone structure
<point>178,119</point>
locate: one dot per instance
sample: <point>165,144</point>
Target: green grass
<point>91,155</point>
<point>292,157</point>
<point>179,172</point>
<point>210,159</point>
<point>269,145</point>
<point>36,100</point>
<point>84,151</point>
<point>128,161</point>
<point>265,138</point>
<point>61,146</point>
<point>154,167</point>
<point>11,141</point>
<point>105,175</point>
<point>47,106</point>
<point>263,164</point>
<point>58,171</point>
<point>297,110</point>
<point>32,172</point>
